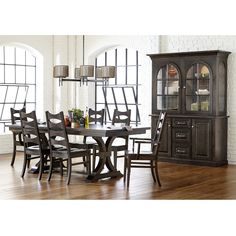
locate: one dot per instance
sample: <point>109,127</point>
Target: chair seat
<point>74,152</point>
<point>34,150</point>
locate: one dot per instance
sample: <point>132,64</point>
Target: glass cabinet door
<point>198,88</point>
<point>168,88</point>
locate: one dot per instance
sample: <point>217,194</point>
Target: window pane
<point>2,93</point>
<point>30,59</point>
<point>30,107</point>
<point>121,57</point>
<point>11,94</point>
<point>20,56</point>
<point>131,57</point>
<point>120,75</point>
<point>131,77</point>
<point>129,95</point>
<point>9,74</point>
<point>6,112</point>
<point>101,60</point>
<point>31,94</point>
<point>1,55</point>
<point>111,57</point>
<point>119,95</point>
<point>100,95</point>
<point>20,74</point>
<point>21,94</point>
<point>1,73</point>
<point>30,75</point>
<point>9,55</point>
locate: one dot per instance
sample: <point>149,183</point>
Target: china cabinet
<point>192,88</point>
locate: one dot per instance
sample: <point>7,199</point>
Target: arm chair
<point>138,159</point>
<point>60,148</point>
<point>35,144</point>
<point>17,136</point>
<point>120,117</point>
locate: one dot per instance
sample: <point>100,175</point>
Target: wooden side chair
<point>120,117</point>
<point>17,136</point>
<point>35,144</point>
<point>60,148</point>
<point>141,159</point>
<point>95,117</point>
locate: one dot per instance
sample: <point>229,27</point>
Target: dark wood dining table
<point>104,135</point>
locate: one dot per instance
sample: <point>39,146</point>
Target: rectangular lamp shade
<point>105,71</point>
<point>61,71</point>
<point>86,71</point>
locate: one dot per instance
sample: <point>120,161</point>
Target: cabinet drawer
<point>180,122</point>
<point>181,150</point>
<point>181,135</point>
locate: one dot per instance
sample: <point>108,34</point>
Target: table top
<point>94,130</point>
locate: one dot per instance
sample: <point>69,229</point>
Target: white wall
<point>176,43</point>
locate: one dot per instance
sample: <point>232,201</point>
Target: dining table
<point>104,135</point>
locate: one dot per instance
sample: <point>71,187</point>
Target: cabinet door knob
<point>169,125</point>
<point>192,126</point>
<point>184,87</point>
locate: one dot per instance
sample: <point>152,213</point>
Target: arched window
<point>18,75</point>
<point>122,91</point>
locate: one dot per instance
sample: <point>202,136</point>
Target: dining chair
<point>35,144</point>
<point>95,117</point>
<point>122,118</point>
<point>146,159</point>
<point>60,148</point>
<point>17,136</point>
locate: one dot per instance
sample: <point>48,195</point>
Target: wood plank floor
<point>178,182</point>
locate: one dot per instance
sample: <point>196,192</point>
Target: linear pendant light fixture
<point>82,73</point>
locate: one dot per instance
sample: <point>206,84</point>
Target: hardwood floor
<point>178,182</point>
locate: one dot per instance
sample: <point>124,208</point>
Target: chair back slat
<point>57,131</point>
<point>121,117</point>
<point>96,116</point>
<point>15,114</point>
<point>30,130</point>
<point>158,133</point>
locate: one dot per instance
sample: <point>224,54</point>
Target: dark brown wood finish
<point>140,159</point>
<point>193,135</point>
<point>17,136</point>
<point>60,148</point>
<point>120,117</point>
<point>97,131</point>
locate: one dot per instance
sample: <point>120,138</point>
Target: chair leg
<point>153,172</point>
<point>88,164</point>
<point>24,165</point>
<point>28,163</point>
<point>50,168</point>
<point>41,167</point>
<point>61,167</point>
<point>157,174</point>
<point>68,170</point>
<point>115,158</point>
<point>94,158</point>
<point>13,154</point>
<point>128,174</point>
<point>125,166</point>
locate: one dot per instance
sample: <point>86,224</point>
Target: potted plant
<point>75,116</point>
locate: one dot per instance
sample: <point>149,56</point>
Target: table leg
<point>104,159</point>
